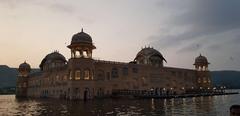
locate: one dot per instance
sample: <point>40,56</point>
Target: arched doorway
<point>86,94</point>
<point>156,91</point>
<point>100,92</point>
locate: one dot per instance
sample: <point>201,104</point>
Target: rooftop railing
<point>109,62</point>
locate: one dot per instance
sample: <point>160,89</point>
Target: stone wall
<point>108,76</point>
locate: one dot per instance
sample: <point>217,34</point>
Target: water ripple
<point>197,106</point>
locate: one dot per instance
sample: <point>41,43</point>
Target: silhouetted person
<point>235,110</point>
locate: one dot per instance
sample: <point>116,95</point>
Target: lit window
<point>57,78</point>
<point>209,81</point>
<point>199,80</point>
<point>77,75</point>
<point>70,76</point>
<point>86,74</point>
<point>65,77</point>
<point>204,80</point>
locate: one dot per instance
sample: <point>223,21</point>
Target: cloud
<point>214,47</point>
<point>63,8</point>
<point>199,20</point>
<point>190,48</point>
<point>56,8</point>
<point>51,5</point>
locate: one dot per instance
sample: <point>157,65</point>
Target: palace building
<point>82,77</point>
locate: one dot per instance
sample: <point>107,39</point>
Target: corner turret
<point>22,79</point>
<point>202,72</point>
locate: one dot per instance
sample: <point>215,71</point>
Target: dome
<point>150,56</point>
<point>201,60</point>
<point>81,37</point>
<point>54,56</point>
<point>24,66</point>
<point>149,52</point>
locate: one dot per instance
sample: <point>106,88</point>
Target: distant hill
<point>231,79</point>
<point>8,76</point>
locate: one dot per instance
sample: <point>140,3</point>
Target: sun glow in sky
<point>180,30</point>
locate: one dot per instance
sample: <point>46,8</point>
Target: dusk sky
<point>179,29</point>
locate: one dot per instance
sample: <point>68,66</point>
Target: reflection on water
<point>197,106</point>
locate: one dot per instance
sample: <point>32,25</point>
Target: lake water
<point>197,106</point>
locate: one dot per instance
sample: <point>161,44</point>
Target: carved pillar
<point>81,53</point>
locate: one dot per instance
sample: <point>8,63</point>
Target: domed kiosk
<point>81,37</point>
<point>202,72</point>
<point>24,69</point>
<point>201,63</point>
<point>81,45</point>
<point>150,56</point>
<point>22,80</point>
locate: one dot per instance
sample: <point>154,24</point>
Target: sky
<point>179,29</point>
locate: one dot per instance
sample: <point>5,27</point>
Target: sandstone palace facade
<point>82,77</point>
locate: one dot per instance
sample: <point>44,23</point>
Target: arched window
<point>135,70</point>
<point>100,75</point>
<point>77,75</point>
<point>52,65</point>
<point>108,76</point>
<point>143,81</point>
<point>24,84</point>
<point>57,78</point>
<point>85,54</point>
<point>125,71</point>
<point>72,54</point>
<point>114,73</point>
<point>86,74</point>
<point>78,55</point>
